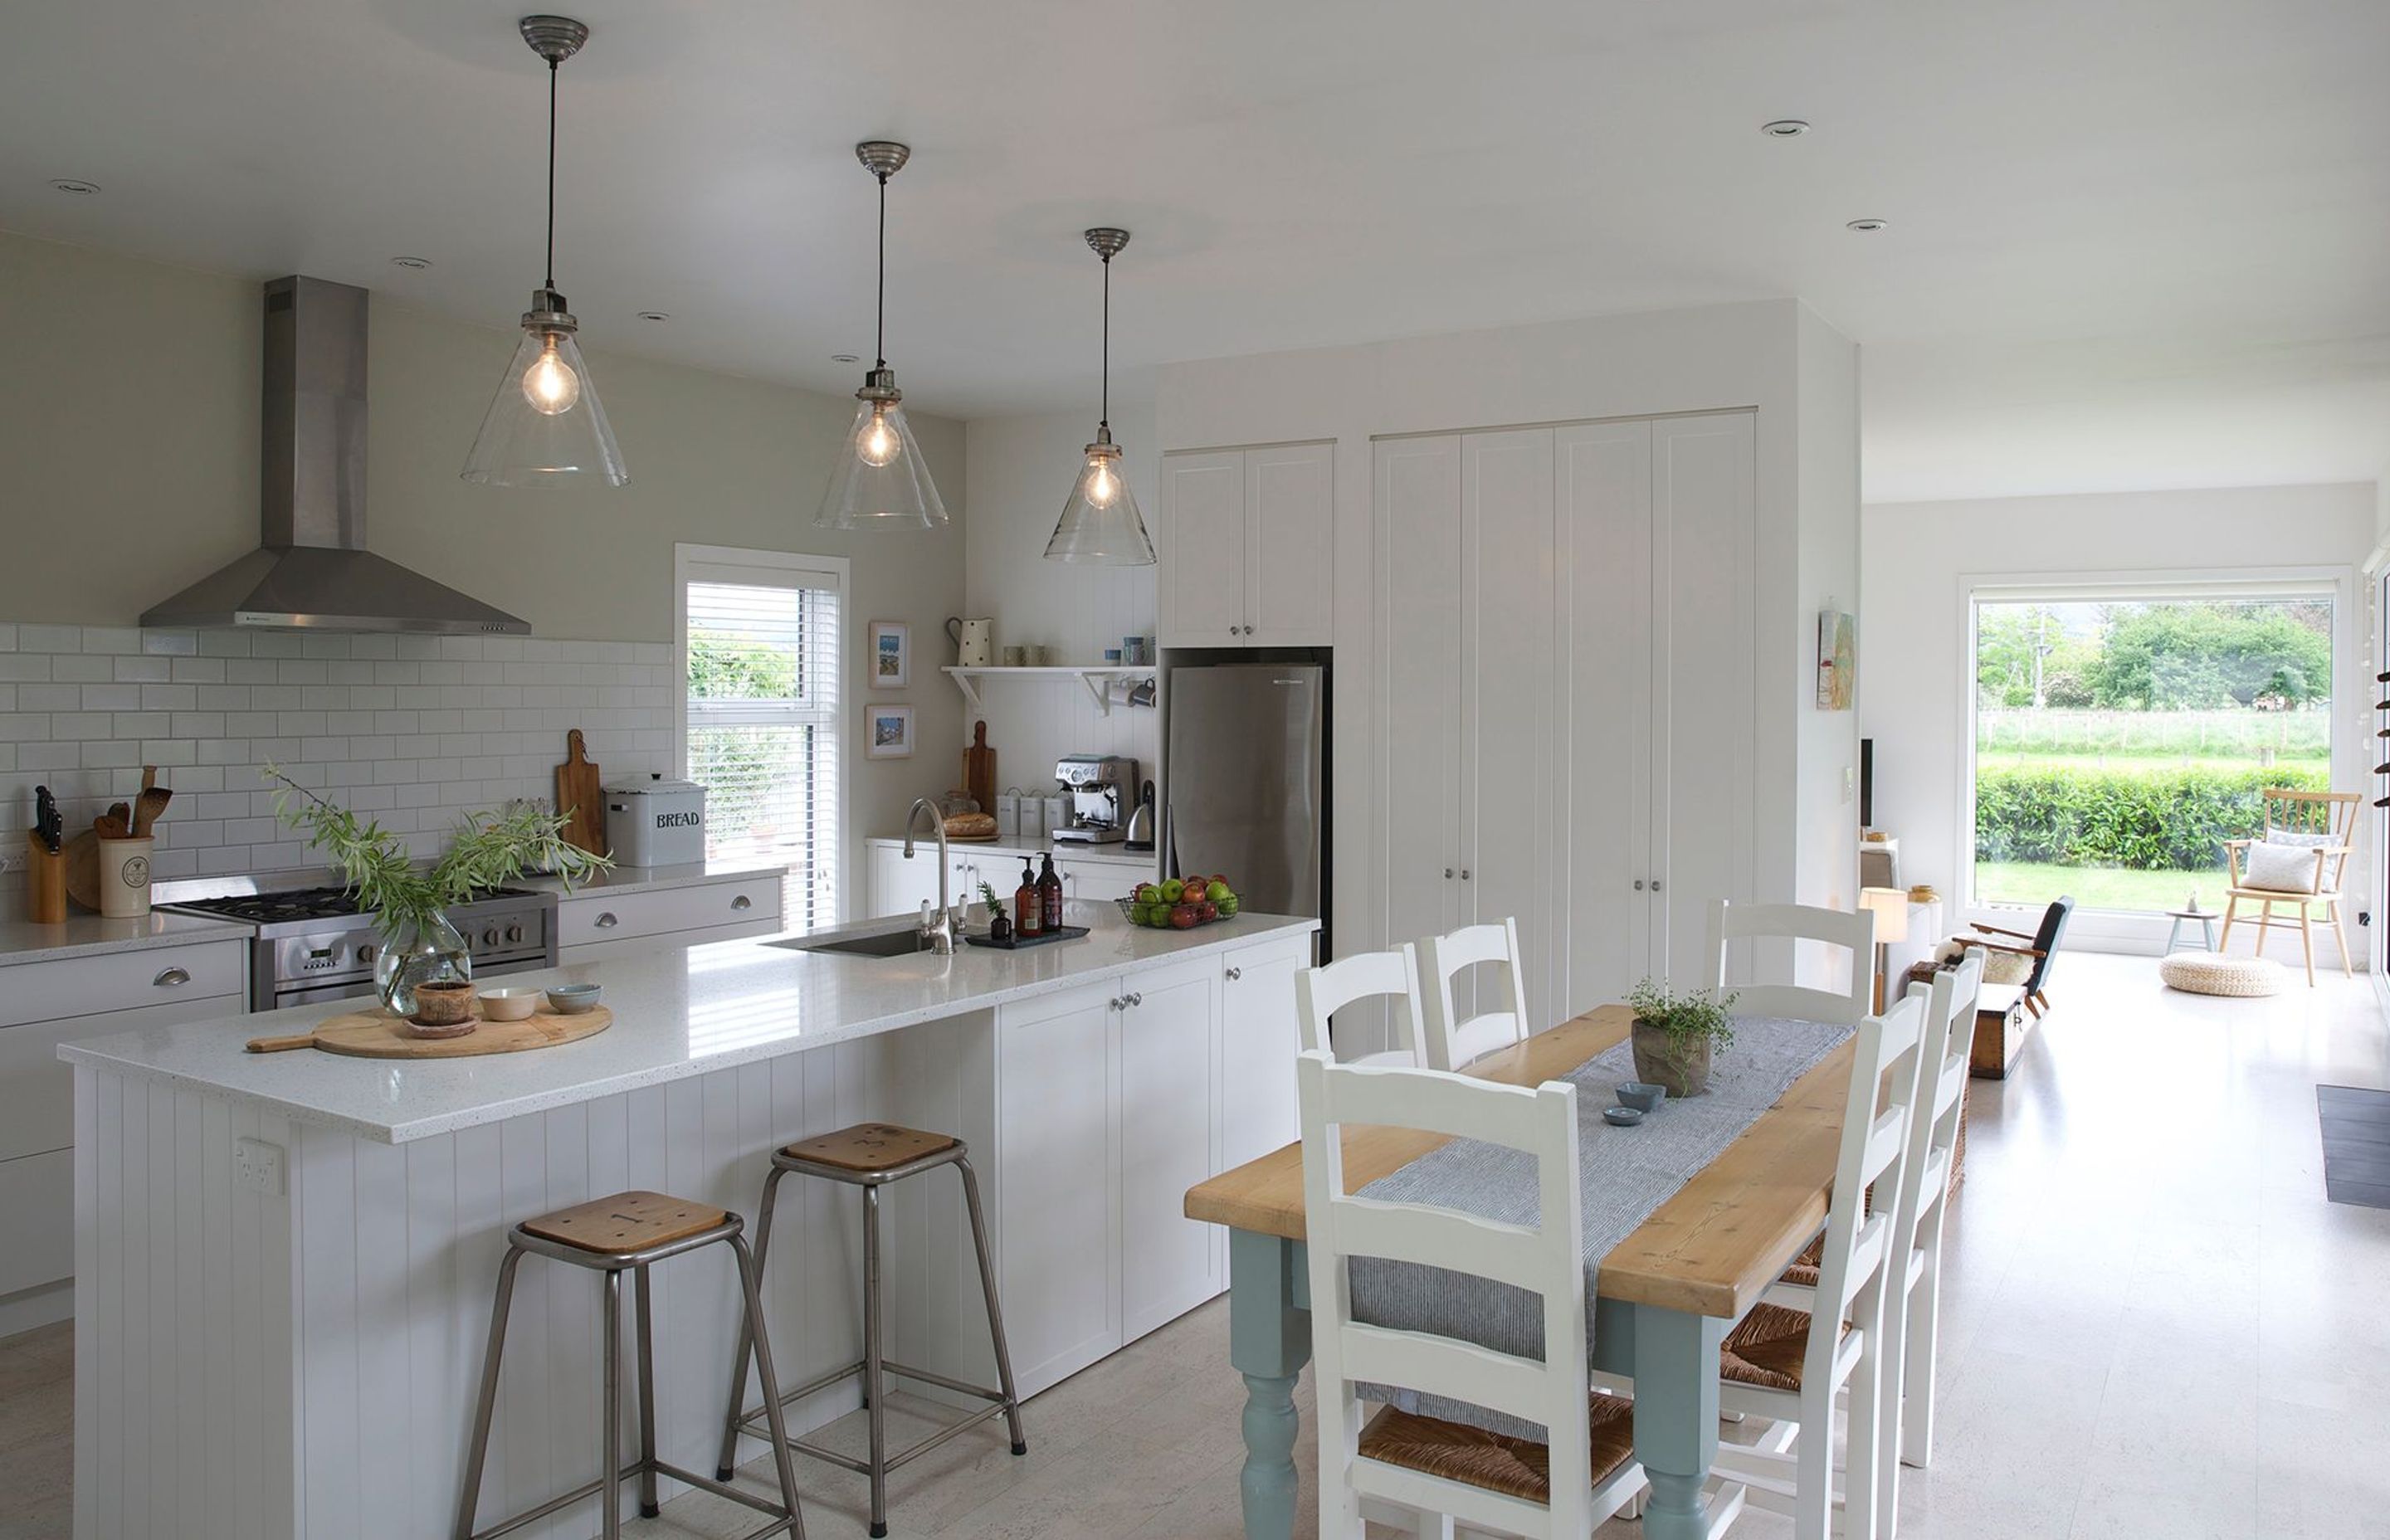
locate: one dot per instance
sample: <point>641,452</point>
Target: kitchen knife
<point>47,824</point>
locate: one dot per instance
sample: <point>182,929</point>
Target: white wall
<point>1916,558</point>
<point>128,468</point>
<point>1019,472</point>
<point>1740,355</point>
<point>1827,812</point>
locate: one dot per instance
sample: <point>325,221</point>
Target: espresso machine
<point>1102,789</point>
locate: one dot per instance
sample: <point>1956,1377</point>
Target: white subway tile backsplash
<point>167,644</point>
<point>32,697</point>
<point>198,670</point>
<point>49,638</point>
<point>109,698</point>
<point>24,665</point>
<point>223,644</point>
<point>145,671</point>
<point>80,669</point>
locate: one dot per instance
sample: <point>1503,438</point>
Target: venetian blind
<point>762,647</point>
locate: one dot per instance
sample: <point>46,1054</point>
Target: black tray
<point>1015,943</point>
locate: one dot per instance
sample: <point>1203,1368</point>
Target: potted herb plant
<point>1000,926</point>
<point>1674,1035</point>
<point>409,904</point>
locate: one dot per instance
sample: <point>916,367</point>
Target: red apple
<point>1184,917</point>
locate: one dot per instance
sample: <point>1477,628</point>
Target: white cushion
<point>2200,973</point>
<point>2294,837</point>
<point>2280,868</point>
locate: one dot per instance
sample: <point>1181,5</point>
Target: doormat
<point>2355,1145</point>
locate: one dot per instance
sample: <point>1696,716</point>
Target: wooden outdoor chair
<point>2322,822</point>
<point>2042,946</point>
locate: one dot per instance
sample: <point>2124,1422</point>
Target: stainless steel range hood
<point>314,572</point>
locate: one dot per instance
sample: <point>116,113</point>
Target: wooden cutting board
<point>578,793</point>
<point>81,853</point>
<point>979,769</point>
<point>379,1035</point>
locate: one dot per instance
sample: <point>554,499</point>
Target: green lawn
<point>2034,884</point>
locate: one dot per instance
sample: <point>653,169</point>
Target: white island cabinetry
<point>328,1317</point>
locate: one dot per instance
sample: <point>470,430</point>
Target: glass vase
<point>417,949</point>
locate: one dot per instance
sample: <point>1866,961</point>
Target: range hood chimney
<point>314,572</point>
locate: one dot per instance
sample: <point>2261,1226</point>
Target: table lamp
<point>1890,906</point>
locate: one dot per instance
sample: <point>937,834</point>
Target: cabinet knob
<point>1118,1002</point>
<point>607,920</point>
<point>1464,874</point>
<point>1134,998</point>
<point>742,901</point>
<point>1638,884</point>
<point>1655,884</point>
<point>1233,973</point>
<point>171,977</point>
<point>1447,874</point>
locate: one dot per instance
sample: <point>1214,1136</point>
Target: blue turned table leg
<point>1675,1416</point>
<point>1269,1337</point>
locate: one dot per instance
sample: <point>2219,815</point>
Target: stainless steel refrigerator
<point>1247,781</point>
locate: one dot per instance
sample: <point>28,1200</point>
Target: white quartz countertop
<point>640,880</point>
<point>21,941</point>
<point>677,1013</point>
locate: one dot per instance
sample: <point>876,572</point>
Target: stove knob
<point>490,936</point>
<point>366,953</point>
<point>514,935</point>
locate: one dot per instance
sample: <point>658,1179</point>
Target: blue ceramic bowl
<point>1642,1096</point>
<point>571,999</point>
<point>1624,1117</point>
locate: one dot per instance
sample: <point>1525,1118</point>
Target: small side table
<point>2206,920</point>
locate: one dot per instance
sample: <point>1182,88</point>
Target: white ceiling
<point>2134,243</point>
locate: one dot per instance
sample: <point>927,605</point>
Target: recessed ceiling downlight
<point>1867,226</point>
<point>415,264</point>
<point>73,185</point>
<point>846,358</point>
<point>1785,128</point>
<point>655,315</point>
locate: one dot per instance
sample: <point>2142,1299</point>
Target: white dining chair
<point>1391,976</point>
<point>1913,1312</point>
<point>1454,1044</point>
<point>1776,1364</point>
<point>1793,923</point>
<point>1447,1472</point>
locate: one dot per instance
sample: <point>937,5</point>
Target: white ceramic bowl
<point>509,1005</point>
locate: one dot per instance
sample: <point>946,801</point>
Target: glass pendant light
<point>1100,523</point>
<point>880,481</point>
<point>546,426</point>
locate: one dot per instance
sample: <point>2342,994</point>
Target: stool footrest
<point>724,1488</point>
<point>888,1367</point>
<point>632,1472</point>
<point>942,1435</point>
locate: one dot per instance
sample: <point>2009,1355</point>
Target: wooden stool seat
<point>1498,1462</point>
<point>625,1223</point>
<point>869,1147</point>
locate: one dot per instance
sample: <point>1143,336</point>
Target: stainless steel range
<point>312,945</point>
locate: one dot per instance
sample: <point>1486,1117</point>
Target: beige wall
<point>128,468</point>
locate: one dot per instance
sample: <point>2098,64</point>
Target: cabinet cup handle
<point>1233,973</point>
<point>607,920</point>
<point>742,901</point>
<point>171,978</point>
<point>1136,999</point>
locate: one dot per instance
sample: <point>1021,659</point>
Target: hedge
<point>2157,820</point>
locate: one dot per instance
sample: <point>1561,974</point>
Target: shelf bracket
<point>1100,686</point>
<point>971,692</point>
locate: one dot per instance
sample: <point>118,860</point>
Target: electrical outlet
<point>1850,784</point>
<point>257,1166</point>
<point>12,859</point>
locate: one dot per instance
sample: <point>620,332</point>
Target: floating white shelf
<point>1098,678</point>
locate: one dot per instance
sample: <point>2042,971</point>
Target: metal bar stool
<point>871,1156</point>
<point>628,1233</point>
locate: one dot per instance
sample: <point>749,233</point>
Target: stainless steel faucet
<point>938,929</point>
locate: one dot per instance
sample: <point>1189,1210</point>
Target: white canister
<point>656,822</point>
<point>1032,819</point>
<point>125,876</point>
<point>1058,815</point>
<point>1007,813</point>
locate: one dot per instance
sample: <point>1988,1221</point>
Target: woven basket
<point>2236,978</point>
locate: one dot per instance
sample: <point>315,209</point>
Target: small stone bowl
<point>1624,1117</point>
<point>444,1003</point>
<point>509,1005</point>
<point>1641,1096</point>
<point>571,999</point>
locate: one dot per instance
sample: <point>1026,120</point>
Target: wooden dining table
<point>1667,1295</point>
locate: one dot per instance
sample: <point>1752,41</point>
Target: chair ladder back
<point>1885,1072</point>
<point>1548,1260</point>
<point>1320,992</point>
<point>1449,1042</point>
<point>1796,923</point>
<point>2294,811</point>
<point>1945,1042</point>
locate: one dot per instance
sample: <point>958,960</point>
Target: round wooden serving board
<point>379,1035</point>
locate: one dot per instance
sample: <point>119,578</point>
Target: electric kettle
<point>1139,833</point>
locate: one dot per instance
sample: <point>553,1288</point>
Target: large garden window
<point>2119,740</point>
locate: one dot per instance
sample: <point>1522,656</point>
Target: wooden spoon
<point>150,808</point>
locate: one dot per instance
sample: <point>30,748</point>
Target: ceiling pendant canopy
<point>880,481</point>
<point>1101,524</point>
<point>545,425</point>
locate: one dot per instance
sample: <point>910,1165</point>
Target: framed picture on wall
<point>888,732</point>
<point>1838,660</point>
<point>891,655</point>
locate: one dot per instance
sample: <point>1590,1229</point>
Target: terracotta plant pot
<point>1685,1070</point>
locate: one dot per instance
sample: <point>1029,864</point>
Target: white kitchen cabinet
<point>110,992</point>
<point>1170,1072</point>
<point>597,924</point>
<point>1248,547</point>
<point>1581,602</point>
<point>1259,1039</point>
<point>1098,881</point>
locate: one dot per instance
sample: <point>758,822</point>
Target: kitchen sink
<point>885,944</point>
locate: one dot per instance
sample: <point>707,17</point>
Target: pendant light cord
<point>881,350</point>
<point>1105,421</point>
<point>551,173</point>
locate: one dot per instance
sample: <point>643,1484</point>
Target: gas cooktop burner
<point>305,903</point>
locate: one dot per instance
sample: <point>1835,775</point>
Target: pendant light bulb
<point>885,483</point>
<point>550,384</point>
<point>1100,522</point>
<point>545,425</point>
<point>878,445</point>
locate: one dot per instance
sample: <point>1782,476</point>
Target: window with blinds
<point>762,636</point>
